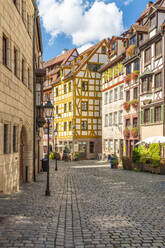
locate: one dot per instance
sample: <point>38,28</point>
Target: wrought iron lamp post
<point>56,134</point>
<point>48,109</point>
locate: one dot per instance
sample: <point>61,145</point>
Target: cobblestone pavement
<point>89,207</point>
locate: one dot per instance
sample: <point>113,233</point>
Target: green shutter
<point>152,115</point>
<point>142,116</point>
<point>162,112</point>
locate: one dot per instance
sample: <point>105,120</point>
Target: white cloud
<point>84,25</point>
<point>128,2</point>
<point>84,47</point>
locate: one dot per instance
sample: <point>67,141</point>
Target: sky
<point>67,24</point>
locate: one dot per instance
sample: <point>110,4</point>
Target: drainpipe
<point>163,39</point>
<point>34,95</point>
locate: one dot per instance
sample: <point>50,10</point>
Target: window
<point>111,96</point>
<point>135,93</point>
<point>153,21</point>
<point>127,123</point>
<point>65,107</point>
<point>158,80</point>
<point>147,56</point>
<point>135,122</point>
<point>103,49</point>
<point>23,70</point>
<point>28,23</point>
<point>93,67</point>
<point>146,115</point>
<point>70,106</point>
<point>46,83</point>
<point>115,118</point>
<point>92,144</point>
<point>128,69</point>
<point>70,126</point>
<point>146,84</point>
<point>65,126</point>
<point>4,48</point>
<point>56,127</point>
<point>15,2</point>
<point>128,95</point>
<point>84,86</point>
<point>133,40</point>
<point>120,117</point>
<point>6,139</point>
<point>105,97</point>
<point>121,92</point>
<point>15,139</point>
<point>114,46</point>
<point>158,48</point>
<point>56,91</point>
<point>65,89</point>
<point>15,62</point>
<point>29,85</point>
<point>70,86</point>
<point>84,125</point>
<point>116,94</point>
<point>157,114</point>
<point>106,120</point>
<point>24,11</point>
<point>56,110</point>
<point>136,65</point>
<point>84,106</point>
<point>110,119</point>
<point>46,97</point>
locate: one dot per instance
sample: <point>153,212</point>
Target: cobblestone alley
<point>90,206</point>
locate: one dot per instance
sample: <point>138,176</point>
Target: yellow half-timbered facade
<point>78,101</point>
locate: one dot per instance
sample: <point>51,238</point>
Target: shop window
<point>92,144</point>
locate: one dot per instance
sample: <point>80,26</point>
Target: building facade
<point>17,161</point>
<point>78,103</point>
<point>113,99</point>
<point>152,75</point>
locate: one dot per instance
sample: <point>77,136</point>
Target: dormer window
<point>153,22</point>
<point>114,46</point>
<point>133,40</point>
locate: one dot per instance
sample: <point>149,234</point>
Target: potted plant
<point>127,132</point>
<point>128,78</point>
<point>134,132</point>
<point>135,103</point>
<point>135,74</point>
<point>130,50</point>
<point>76,156</point>
<point>115,161</point>
<point>126,106</point>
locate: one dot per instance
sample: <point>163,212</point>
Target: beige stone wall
<point>16,100</point>
<point>152,130</point>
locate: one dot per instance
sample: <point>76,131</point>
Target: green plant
<point>134,131</point>
<point>154,153</point>
<point>76,155</point>
<point>135,103</point>
<point>137,170</point>
<point>127,132</point>
<point>136,155</point>
<point>126,106</point>
<point>51,156</point>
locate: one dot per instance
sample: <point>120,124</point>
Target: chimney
<point>64,50</point>
<point>149,4</point>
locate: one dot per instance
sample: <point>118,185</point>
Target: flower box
<point>126,106</point>
<point>127,133</point>
<point>134,132</point>
<point>127,78</point>
<point>135,103</point>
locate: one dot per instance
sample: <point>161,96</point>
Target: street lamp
<point>56,134</point>
<point>48,109</point>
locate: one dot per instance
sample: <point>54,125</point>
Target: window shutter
<point>142,116</point>
<point>162,112</point>
<point>152,115</point>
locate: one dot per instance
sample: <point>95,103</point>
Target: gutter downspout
<point>34,95</point>
<point>163,39</point>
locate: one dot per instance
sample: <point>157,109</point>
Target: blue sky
<point>81,23</point>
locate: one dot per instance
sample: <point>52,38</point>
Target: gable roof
<point>60,59</point>
<point>92,51</point>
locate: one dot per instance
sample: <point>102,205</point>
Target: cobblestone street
<point>90,206</point>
